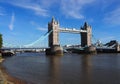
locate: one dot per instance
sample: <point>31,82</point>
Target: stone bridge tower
<point>53,40</point>
<point>86,36</point>
<point>54,35</point>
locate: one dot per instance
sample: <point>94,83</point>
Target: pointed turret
<point>53,19</point>
<point>85,25</point>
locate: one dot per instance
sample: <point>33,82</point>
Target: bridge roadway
<point>73,30</point>
<point>24,49</point>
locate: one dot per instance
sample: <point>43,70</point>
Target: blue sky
<point>24,21</point>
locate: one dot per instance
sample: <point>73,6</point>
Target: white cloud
<point>73,8</point>
<point>113,17</point>
<point>11,25</point>
<point>48,3</point>
<point>29,4</point>
<point>36,8</point>
<point>42,29</point>
<point>38,26</point>
<point>69,8</point>
<point>33,23</point>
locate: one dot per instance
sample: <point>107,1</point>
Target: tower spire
<point>85,24</point>
<point>53,19</point>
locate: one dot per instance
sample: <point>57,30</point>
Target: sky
<point>24,21</point>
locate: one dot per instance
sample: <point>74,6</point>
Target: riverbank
<point>5,78</point>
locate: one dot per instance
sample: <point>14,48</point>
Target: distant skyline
<point>25,21</point>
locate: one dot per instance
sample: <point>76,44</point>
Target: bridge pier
<point>55,50</point>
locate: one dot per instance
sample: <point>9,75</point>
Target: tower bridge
<point>53,39</point>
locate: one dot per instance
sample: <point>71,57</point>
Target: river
<point>36,68</point>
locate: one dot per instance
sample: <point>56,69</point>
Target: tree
<point>1,41</point>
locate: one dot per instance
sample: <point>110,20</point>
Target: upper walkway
<point>71,30</point>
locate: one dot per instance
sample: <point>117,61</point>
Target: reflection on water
<point>54,69</point>
<point>36,68</point>
<point>86,68</point>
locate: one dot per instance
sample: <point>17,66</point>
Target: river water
<point>36,68</point>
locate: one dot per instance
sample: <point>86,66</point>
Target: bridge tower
<point>86,36</point>
<point>53,40</point>
<point>54,35</point>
